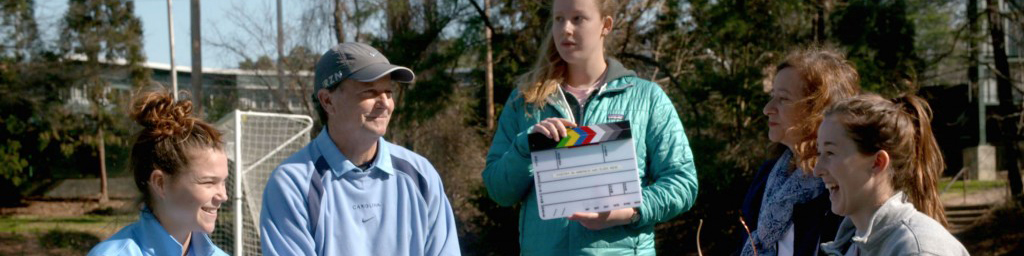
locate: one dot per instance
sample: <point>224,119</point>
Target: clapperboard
<point>592,169</point>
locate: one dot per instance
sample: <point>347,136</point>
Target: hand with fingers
<point>554,128</point>
<point>603,220</point>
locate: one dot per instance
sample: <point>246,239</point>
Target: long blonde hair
<point>549,69</point>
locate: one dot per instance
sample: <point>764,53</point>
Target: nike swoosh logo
<point>368,219</point>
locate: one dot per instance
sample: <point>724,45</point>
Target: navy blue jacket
<point>813,222</point>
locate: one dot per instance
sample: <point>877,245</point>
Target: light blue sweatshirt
<point>896,228</point>
<point>148,237</point>
<point>318,203</point>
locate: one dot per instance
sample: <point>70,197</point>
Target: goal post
<point>255,143</point>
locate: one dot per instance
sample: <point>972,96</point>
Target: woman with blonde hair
<point>880,163</point>
<point>786,207</point>
<point>574,83</point>
<point>180,168</point>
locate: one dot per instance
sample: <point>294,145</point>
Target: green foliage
<point>414,39</point>
<point>109,30</point>
<point>709,56</point>
<point>76,240</point>
<point>18,27</point>
<point>11,163</point>
<point>880,39</point>
<point>45,130</point>
<point>714,72</point>
<point>30,117</point>
<point>262,63</point>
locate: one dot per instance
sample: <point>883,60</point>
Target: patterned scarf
<point>783,190</point>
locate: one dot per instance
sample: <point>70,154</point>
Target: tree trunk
<point>819,22</point>
<point>972,19</point>
<point>339,28</point>
<point>197,59</point>
<point>490,69</point>
<point>359,21</point>
<point>972,72</point>
<point>103,168</point>
<point>1007,108</point>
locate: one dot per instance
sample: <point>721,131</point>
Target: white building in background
<point>223,89</point>
<point>982,160</point>
<point>964,121</point>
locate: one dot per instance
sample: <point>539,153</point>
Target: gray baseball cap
<point>356,61</point>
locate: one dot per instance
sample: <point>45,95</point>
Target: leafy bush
<point>75,240</point>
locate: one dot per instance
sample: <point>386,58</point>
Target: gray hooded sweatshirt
<point>897,228</point>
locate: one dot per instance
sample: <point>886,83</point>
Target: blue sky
<point>215,23</point>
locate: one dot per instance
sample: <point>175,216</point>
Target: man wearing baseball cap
<point>350,192</point>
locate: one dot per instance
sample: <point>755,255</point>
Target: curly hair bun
<point>162,117</point>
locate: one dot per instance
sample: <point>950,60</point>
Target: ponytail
<point>926,164</point>
<point>901,127</point>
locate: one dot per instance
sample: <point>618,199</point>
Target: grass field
<point>48,235</point>
<point>59,227</point>
<point>101,225</point>
<point>972,186</point>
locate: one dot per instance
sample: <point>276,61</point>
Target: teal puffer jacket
<point>667,172</point>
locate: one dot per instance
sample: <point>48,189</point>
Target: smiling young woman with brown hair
<point>880,163</point>
<point>180,168</point>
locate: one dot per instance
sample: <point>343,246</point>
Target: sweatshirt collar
<point>882,220</point>
<point>882,223</point>
<point>161,241</point>
<point>341,164</point>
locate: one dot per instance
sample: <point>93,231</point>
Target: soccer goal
<point>255,143</point>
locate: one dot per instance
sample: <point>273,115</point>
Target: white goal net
<point>255,143</point>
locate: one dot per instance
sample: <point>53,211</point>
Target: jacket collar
<point>613,83</point>
<point>155,238</point>
<point>883,222</point>
<point>616,70</point>
<point>341,164</point>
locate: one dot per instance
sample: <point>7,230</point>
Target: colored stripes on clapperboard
<point>583,135</point>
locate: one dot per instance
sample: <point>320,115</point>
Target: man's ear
<point>881,162</point>
<point>324,96</point>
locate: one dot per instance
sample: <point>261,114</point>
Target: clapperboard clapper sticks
<point>592,169</point>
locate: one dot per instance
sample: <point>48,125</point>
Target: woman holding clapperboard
<point>574,83</point>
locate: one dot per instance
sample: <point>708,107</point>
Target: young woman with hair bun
<point>180,169</point>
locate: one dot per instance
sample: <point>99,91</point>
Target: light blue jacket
<point>897,228</point>
<point>148,237</point>
<point>318,203</point>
